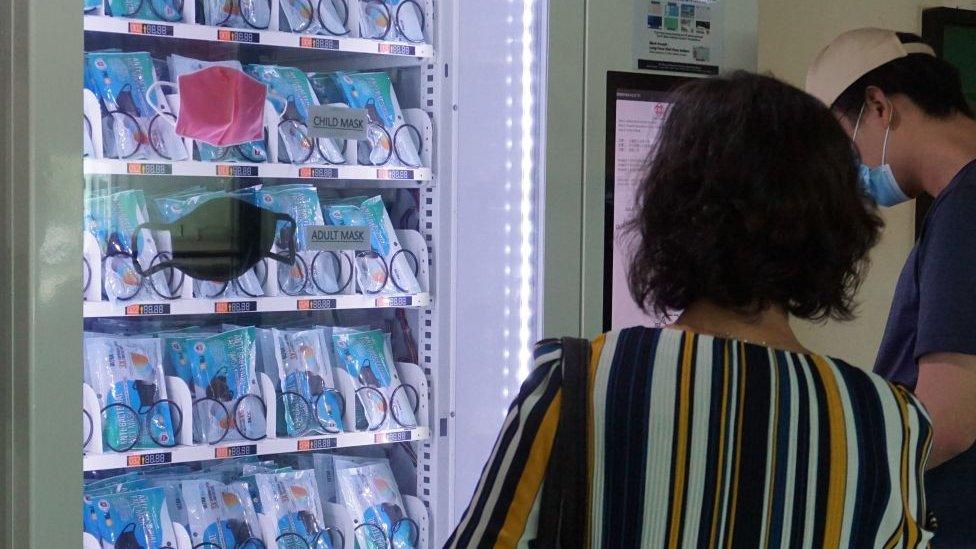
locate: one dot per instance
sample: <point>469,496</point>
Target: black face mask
<point>127,538</point>
<point>221,240</point>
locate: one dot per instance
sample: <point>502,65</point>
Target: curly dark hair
<point>751,200</point>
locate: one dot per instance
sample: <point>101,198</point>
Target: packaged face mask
<point>400,20</point>
<point>90,513</point>
<point>227,401</point>
<point>311,270</point>
<point>112,219</point>
<point>371,495</point>
<point>314,17</point>
<point>239,14</point>
<point>153,10</point>
<point>291,93</point>
<point>390,140</point>
<point>254,151</point>
<point>91,5</point>
<point>391,269</point>
<point>131,128</point>
<point>127,375</point>
<point>173,207</point>
<point>221,514</point>
<point>292,500</point>
<point>311,402</point>
<point>385,401</point>
<point>135,520</point>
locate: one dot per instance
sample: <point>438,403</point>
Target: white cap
<point>852,55</point>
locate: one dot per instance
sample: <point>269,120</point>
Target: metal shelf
<point>224,35</point>
<point>193,168</point>
<point>184,454</point>
<point>101,309</point>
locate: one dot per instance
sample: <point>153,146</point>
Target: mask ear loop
<point>177,9</point>
<point>342,410</point>
<point>289,258</point>
<point>386,10</point>
<point>174,293</point>
<point>399,27</point>
<point>279,543</point>
<point>122,448</point>
<point>396,142</point>
<point>86,275</point>
<point>416,266</point>
<point>90,430</point>
<point>366,389</point>
<point>414,531</point>
<point>226,427</point>
<point>345,18</point>
<point>307,423</point>
<point>136,287</point>
<point>264,414</point>
<point>177,426</point>
<point>414,404</point>
<point>370,525</point>
<point>152,103</point>
<point>327,531</point>
<point>884,144</point>
<point>247,20</point>
<point>134,247</point>
<point>341,283</point>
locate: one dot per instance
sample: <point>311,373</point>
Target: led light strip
<point>526,228</point>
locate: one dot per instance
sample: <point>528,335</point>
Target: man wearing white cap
<point>906,112</point>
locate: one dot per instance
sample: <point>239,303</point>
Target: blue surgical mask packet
<point>127,376</point>
<point>131,129</point>
<point>220,514</point>
<point>408,21</point>
<point>374,92</point>
<point>383,400</point>
<point>311,402</point>
<point>253,151</point>
<point>370,493</point>
<point>91,5</point>
<point>228,403</point>
<point>238,15</point>
<point>135,519</point>
<point>291,500</point>
<point>291,93</point>
<point>111,219</point>
<point>390,271</point>
<point>324,18</point>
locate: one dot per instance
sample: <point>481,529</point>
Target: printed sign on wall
<point>679,36</point>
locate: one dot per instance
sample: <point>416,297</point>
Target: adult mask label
<point>323,237</point>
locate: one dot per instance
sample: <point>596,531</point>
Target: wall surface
<point>786,48</point>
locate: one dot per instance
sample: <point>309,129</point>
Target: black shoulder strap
<point>565,498</point>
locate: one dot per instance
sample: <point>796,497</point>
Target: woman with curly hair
<point>722,429</point>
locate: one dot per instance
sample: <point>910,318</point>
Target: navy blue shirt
<point>934,311</point>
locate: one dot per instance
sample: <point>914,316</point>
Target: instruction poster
<point>639,116</point>
<point>680,37</point>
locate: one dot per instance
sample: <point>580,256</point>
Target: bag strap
<point>563,508</point>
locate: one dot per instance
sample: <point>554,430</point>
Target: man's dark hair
<point>930,82</point>
<point>751,199</point>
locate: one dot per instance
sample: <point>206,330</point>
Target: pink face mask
<point>220,106</point>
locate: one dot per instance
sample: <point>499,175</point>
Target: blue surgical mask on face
<point>880,182</point>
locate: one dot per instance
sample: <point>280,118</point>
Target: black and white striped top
<point>698,441</point>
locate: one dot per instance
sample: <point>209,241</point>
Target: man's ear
<point>878,105</point>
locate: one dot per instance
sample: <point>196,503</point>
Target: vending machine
<point>308,244</point>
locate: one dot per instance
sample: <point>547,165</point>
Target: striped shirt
<point>699,441</point>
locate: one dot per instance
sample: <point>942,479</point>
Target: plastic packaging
<point>291,499</point>
<point>384,400</point>
<point>311,402</point>
<point>131,520</point>
<point>227,401</point>
<point>127,377</point>
<point>221,514</point>
<point>370,493</point>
